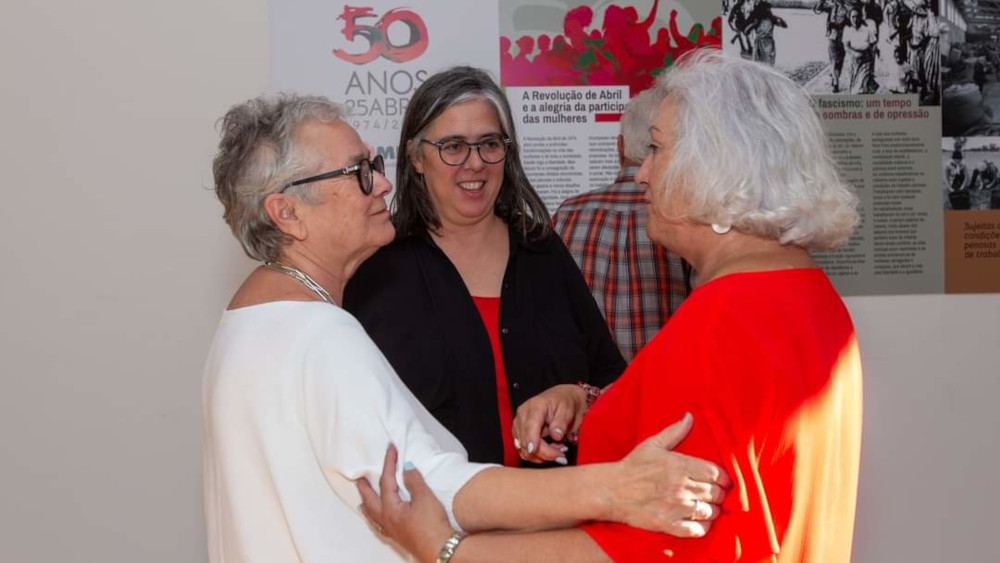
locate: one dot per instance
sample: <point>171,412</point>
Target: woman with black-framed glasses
<point>363,171</point>
<point>456,152</point>
<point>477,304</point>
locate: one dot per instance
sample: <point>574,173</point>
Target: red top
<point>768,364</point>
<point>489,310</point>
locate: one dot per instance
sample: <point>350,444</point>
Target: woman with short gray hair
<point>741,185</point>
<point>257,158</point>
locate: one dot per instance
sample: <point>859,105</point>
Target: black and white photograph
<point>842,46</point>
<point>970,68</point>
<point>971,178</point>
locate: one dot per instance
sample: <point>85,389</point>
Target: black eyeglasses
<point>364,170</point>
<point>454,152</point>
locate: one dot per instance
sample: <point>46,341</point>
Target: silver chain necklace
<point>302,277</point>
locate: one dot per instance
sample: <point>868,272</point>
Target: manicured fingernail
<point>531,447</point>
<point>564,449</point>
<point>562,461</point>
<point>557,431</point>
<point>517,444</point>
<point>408,466</point>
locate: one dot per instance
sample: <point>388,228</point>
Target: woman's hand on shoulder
<point>668,492</point>
<point>546,420</point>
<point>421,525</point>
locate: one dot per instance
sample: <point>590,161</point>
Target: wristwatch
<point>449,547</point>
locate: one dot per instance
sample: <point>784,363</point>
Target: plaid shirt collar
<point>625,182</point>
<point>627,175</point>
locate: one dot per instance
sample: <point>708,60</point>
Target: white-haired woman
<point>741,184</point>
<point>298,401</point>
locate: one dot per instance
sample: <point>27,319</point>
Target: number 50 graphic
<point>379,44</point>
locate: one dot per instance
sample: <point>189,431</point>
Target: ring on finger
<point>698,511</point>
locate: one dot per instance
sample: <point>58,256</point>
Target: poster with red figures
<point>570,68</point>
<point>601,44</point>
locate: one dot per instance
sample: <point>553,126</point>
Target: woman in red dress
<point>763,353</point>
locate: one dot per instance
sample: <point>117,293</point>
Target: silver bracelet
<point>449,547</point>
<point>592,392</point>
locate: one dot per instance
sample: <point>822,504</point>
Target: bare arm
<point>651,488</point>
<point>421,527</point>
<point>514,499</point>
<point>557,546</point>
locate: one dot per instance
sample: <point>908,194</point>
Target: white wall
<point>931,444</point>
<point>116,264</point>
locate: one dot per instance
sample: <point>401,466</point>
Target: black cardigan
<point>413,302</point>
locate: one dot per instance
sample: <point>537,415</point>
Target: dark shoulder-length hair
<point>517,203</point>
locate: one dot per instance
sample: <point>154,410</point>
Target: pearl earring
<point>721,229</point>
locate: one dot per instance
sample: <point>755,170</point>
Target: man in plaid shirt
<point>636,283</point>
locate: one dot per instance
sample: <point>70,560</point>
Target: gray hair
<point>257,157</point>
<point>517,203</point>
<point>750,152</point>
<point>636,120</point>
